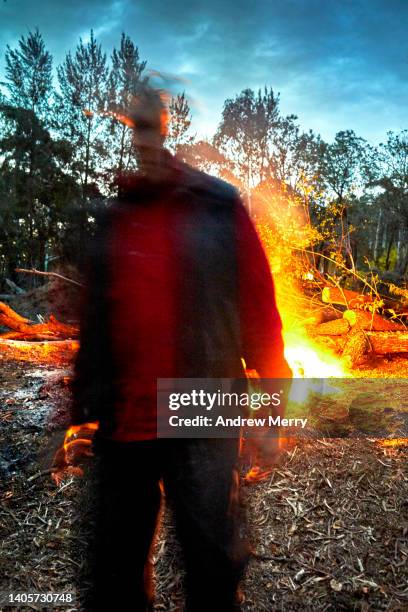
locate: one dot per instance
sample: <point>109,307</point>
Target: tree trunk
<point>361,343</point>
<point>390,244</point>
<point>377,236</point>
<point>382,343</point>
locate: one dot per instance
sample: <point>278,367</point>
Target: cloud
<point>337,63</point>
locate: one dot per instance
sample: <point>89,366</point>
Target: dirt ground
<point>328,527</point>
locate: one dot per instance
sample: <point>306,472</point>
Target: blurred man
<point>178,287</point>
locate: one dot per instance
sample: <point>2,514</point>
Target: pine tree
<point>125,78</point>
<point>179,124</point>
<point>29,75</point>
<point>83,81</point>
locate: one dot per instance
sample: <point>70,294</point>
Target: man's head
<point>148,117</point>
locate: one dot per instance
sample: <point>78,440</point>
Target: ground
<point>328,527</point>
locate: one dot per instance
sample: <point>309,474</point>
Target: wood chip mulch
<point>328,527</point>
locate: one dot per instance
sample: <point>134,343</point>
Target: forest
<point>62,148</point>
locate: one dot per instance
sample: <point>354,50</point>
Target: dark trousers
<point>201,485</point>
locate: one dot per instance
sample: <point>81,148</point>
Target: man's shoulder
<point>206,185</point>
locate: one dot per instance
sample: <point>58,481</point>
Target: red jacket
<point>186,292</point>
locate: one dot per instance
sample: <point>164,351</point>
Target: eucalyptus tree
<point>392,181</point>
<point>244,133</point>
<point>341,169</point>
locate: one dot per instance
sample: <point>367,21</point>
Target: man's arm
<point>92,368</point>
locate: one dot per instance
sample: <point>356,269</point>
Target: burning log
<point>337,327</point>
<point>355,349</point>
<point>329,313</point>
<point>360,343</point>
<point>41,342</point>
<point>25,329</point>
<point>370,321</point>
<point>57,351</point>
<point>10,318</point>
<point>336,344</point>
<point>382,343</point>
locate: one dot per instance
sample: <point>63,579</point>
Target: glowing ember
<point>256,473</point>
<point>394,443</point>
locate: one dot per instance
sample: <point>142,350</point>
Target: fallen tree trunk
<point>355,349</point>
<point>360,343</point>
<point>26,329</point>
<point>382,343</point>
<point>370,321</point>
<point>337,327</point>
<point>56,352</point>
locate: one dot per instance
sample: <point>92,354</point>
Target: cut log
<point>356,347</point>
<point>331,328</point>
<point>382,343</point>
<point>6,311</point>
<point>351,299</point>
<point>55,352</point>
<point>360,343</point>
<point>370,321</point>
<point>52,329</point>
<point>326,313</point>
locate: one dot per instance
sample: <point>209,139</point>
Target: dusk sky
<point>338,64</point>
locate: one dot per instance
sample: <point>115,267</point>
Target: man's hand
<point>264,454</point>
<point>269,451</point>
<point>76,448</point>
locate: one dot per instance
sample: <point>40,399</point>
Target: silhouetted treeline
<point>60,153</point>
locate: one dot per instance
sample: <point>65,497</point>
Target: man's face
<point>147,138</point>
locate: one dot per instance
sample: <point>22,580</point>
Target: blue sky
<point>338,64</point>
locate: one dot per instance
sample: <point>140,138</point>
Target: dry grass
<point>328,527</point>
